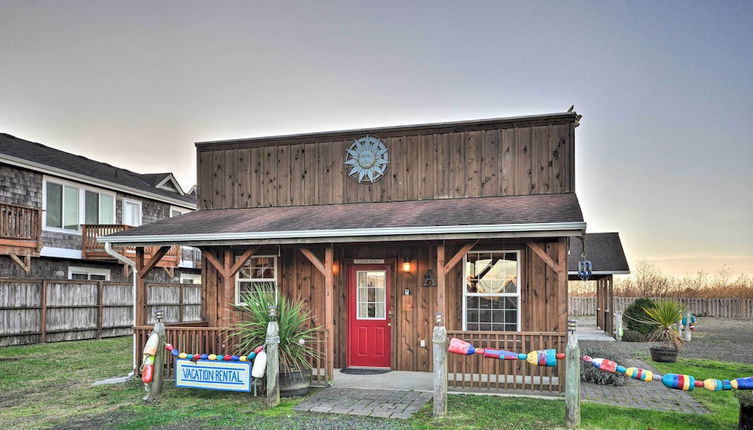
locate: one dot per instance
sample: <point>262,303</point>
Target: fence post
<point>43,313</point>
<point>439,341</point>
<point>618,325</point>
<point>572,382</point>
<point>273,359</point>
<point>100,310</point>
<point>159,330</point>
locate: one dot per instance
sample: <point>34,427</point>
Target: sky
<point>664,149</point>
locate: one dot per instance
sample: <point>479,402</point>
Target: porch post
<point>273,359</point>
<point>329,307</point>
<point>140,298</point>
<point>439,345</point>
<point>441,279</point>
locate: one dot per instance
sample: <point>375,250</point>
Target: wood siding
<point>496,159</point>
<point>543,301</point>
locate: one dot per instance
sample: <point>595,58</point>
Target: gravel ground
<point>720,339</point>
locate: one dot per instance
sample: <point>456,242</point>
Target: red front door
<point>369,331</point>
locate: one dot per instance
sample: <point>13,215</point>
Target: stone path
<point>375,403</point>
<point>644,395</point>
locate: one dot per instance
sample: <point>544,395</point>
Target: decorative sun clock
<point>368,158</point>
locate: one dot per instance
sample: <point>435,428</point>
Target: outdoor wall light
<point>406,265</point>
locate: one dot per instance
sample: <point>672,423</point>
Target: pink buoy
<point>460,347</point>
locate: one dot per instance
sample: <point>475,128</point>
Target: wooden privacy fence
<point>197,338</point>
<point>712,307</point>
<point>479,373</point>
<point>38,310</point>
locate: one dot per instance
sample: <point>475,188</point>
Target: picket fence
<point>39,310</point>
<point>712,307</point>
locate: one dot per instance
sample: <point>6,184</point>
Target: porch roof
<point>605,252</point>
<point>511,216</point>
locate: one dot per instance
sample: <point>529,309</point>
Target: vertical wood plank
<point>283,175</point>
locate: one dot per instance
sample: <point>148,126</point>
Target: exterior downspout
<point>125,260</point>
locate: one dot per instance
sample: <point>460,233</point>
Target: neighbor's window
<point>132,213</point>
<point>88,274</point>
<point>491,294</point>
<point>258,272</point>
<point>64,211</point>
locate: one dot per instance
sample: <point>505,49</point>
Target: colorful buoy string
<point>218,357</point>
<point>671,380</point>
<point>542,357</point>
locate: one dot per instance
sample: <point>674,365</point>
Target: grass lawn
<point>48,386</point>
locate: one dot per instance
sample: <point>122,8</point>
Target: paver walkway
<point>644,395</point>
<point>375,403</point>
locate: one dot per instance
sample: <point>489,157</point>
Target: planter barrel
<point>295,383</point>
<point>663,355</point>
<point>745,422</point>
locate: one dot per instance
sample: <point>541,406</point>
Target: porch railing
<point>20,224</point>
<point>197,338</point>
<point>484,374</point>
<point>91,249</point>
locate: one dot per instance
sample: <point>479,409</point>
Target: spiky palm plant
<point>665,314</point>
<point>292,316</point>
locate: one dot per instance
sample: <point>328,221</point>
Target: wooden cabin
<point>378,229</point>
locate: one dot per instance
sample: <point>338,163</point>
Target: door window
<point>371,297</point>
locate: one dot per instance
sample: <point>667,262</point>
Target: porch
<point>20,233</point>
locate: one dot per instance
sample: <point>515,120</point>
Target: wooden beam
<point>213,260</point>
<point>329,306</point>
<point>562,292</point>
<point>170,271</point>
<point>228,288</point>
<point>152,263</point>
<point>459,256</point>
<point>140,288</point>
<point>441,299</point>
<point>538,250</point>
<point>313,259</point>
<point>242,260</point>
<point>24,265</point>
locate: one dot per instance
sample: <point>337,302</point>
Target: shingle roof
<point>41,154</point>
<point>367,218</point>
<point>604,250</point>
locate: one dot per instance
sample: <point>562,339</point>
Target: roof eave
<point>359,234</point>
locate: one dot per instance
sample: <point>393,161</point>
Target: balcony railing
<point>93,250</point>
<point>20,229</point>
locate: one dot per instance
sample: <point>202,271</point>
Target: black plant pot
<point>663,355</point>
<point>745,422</point>
<point>295,383</point>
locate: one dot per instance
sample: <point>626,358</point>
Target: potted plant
<point>665,314</point>
<point>295,338</point>
<point>745,420</point>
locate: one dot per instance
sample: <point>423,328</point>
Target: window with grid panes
<point>258,272</point>
<point>491,294</point>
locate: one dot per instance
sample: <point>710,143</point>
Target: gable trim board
<point>14,161</point>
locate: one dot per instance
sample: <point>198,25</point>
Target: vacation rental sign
<point>213,375</point>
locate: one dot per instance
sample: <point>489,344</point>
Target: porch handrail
<point>20,222</point>
<point>90,233</point>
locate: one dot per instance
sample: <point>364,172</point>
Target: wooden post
<point>100,309</point>
<point>572,382</point>
<point>140,288</point>
<point>159,329</point>
<point>618,330</point>
<point>273,359</point>
<point>686,327</point>
<point>43,313</point>
<point>439,344</point>
<point>441,279</point>
<point>329,308</point>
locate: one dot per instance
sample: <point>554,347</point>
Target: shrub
<point>665,314</point>
<point>588,373</point>
<point>744,397</point>
<point>633,336</point>
<point>635,318</point>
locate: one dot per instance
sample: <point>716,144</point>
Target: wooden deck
<point>20,230</point>
<point>93,250</point>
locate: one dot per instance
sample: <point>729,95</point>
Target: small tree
<point>295,337</point>
<point>665,314</point>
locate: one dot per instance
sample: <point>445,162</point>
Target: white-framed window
<point>187,252</point>
<point>88,274</point>
<point>491,294</point>
<point>67,205</point>
<point>371,294</point>
<point>259,271</point>
<point>190,278</point>
<point>132,212</point>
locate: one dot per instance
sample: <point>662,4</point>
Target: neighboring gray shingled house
<point>53,205</point>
